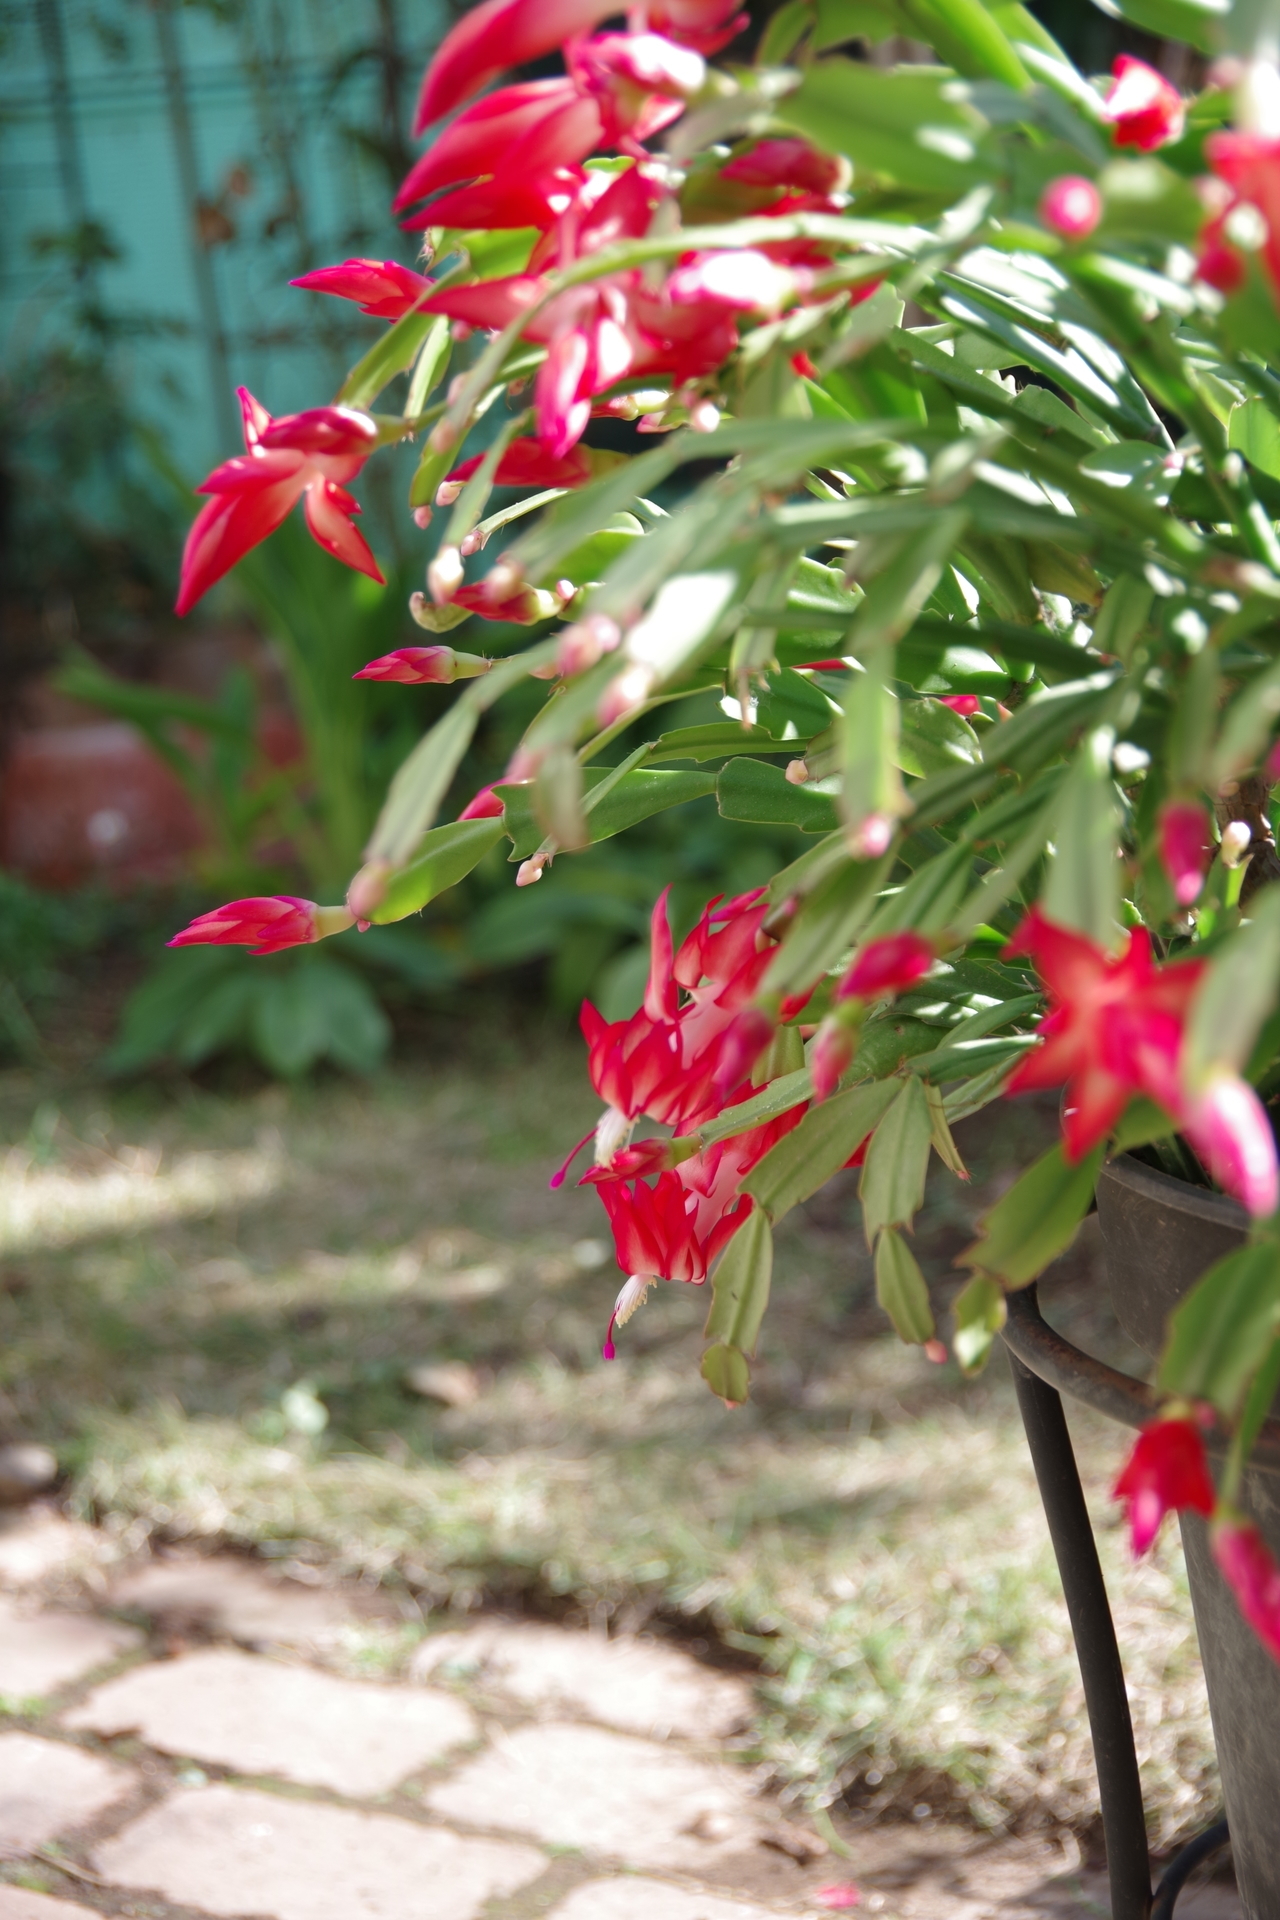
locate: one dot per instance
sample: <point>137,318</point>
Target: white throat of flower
<point>631,1297</point>
<point>612,1131</point>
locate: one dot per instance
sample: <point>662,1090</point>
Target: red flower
<point>965,704</point>
<point>525,463</point>
<point>302,454</point>
<point>1245,1562</point>
<point>1166,1472</point>
<point>508,33</point>
<point>1184,847</point>
<point>888,965</point>
<point>639,81</point>
<point>1071,205</point>
<point>1249,165</point>
<point>1114,1026</point>
<point>1144,109</point>
<point>520,137</point>
<point>383,288</point>
<point>265,925</point>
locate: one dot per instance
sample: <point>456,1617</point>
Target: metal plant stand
<point>1042,1362</point>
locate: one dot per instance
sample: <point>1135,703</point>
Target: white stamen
<point>632,1297</point>
<point>612,1132</point>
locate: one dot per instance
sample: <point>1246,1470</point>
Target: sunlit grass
<point>868,1525</point>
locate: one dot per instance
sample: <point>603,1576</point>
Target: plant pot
<point>1159,1235</point>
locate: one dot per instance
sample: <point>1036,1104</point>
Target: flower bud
<point>530,870</point>
<point>829,1055</point>
<point>445,575</point>
<point>368,890</point>
<point>1184,848</point>
<point>1246,1564</point>
<point>1227,1125</point>
<point>1144,109</point>
<point>870,838</point>
<point>797,772</point>
<point>626,694</point>
<point>585,642</point>
<point>888,965</point>
<point>1236,836</point>
<point>1071,205</point>
<point>422,517</point>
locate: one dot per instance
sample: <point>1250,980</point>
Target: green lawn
<point>192,1280</point>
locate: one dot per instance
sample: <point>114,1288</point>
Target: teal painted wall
<point>276,116</point>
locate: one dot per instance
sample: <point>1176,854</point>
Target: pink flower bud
<point>965,704</point>
<point>744,1040</point>
<point>797,772</point>
<point>871,837</point>
<point>830,1054</point>
<point>1144,109</point>
<point>1166,1472</point>
<point>413,667</point>
<point>936,1351</point>
<point>1071,205</point>
<point>422,517</point>
<point>368,890</point>
<point>1236,836</point>
<point>487,805</point>
<point>887,965</point>
<point>704,416</point>
<point>1227,1125</point>
<point>264,924</point>
<point>626,694</point>
<point>1245,1563</point>
<point>530,870</point>
<point>586,641</point>
<point>445,576</point>
<point>1184,847</point>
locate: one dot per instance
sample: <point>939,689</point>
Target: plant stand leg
<point>1119,1786</point>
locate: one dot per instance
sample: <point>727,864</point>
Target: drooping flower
<point>1246,1564</point>
<point>525,463</point>
<point>266,924</point>
<point>1185,847</point>
<point>1114,1026</point>
<point>1227,1125</point>
<point>1071,205</point>
<point>382,288</point>
<point>1166,1472</point>
<point>424,667</point>
<point>888,965</point>
<point>301,456</point>
<point>1145,110</point>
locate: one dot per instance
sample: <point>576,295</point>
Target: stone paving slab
<point>630,1897</point>
<point>258,1716</point>
<point>47,1788</point>
<point>40,1544</point>
<point>636,1686</point>
<point>606,1793</point>
<point>16,1903</point>
<point>43,1651</point>
<point>232,1851</point>
<point>233,1599</point>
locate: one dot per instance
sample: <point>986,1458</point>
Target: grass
<point>193,1279</point>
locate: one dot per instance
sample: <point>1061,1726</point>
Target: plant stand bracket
<point>1039,1356</point>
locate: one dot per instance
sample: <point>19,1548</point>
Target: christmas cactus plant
<point>954,480</point>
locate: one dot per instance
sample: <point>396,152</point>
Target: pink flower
<point>1071,205</point>
<point>1144,109</point>
<point>888,965</point>
<point>1227,1125</point>
<point>1114,1026</point>
<point>1245,1562</point>
<point>302,455</point>
<point>525,463</point>
<point>265,925</point>
<point>487,805</point>
<point>1248,164</point>
<point>415,667</point>
<point>383,288</point>
<point>1166,1472</point>
<point>965,704</point>
<point>508,33</point>
<point>640,83</point>
<point>519,137</point>
<point>1185,846</point>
